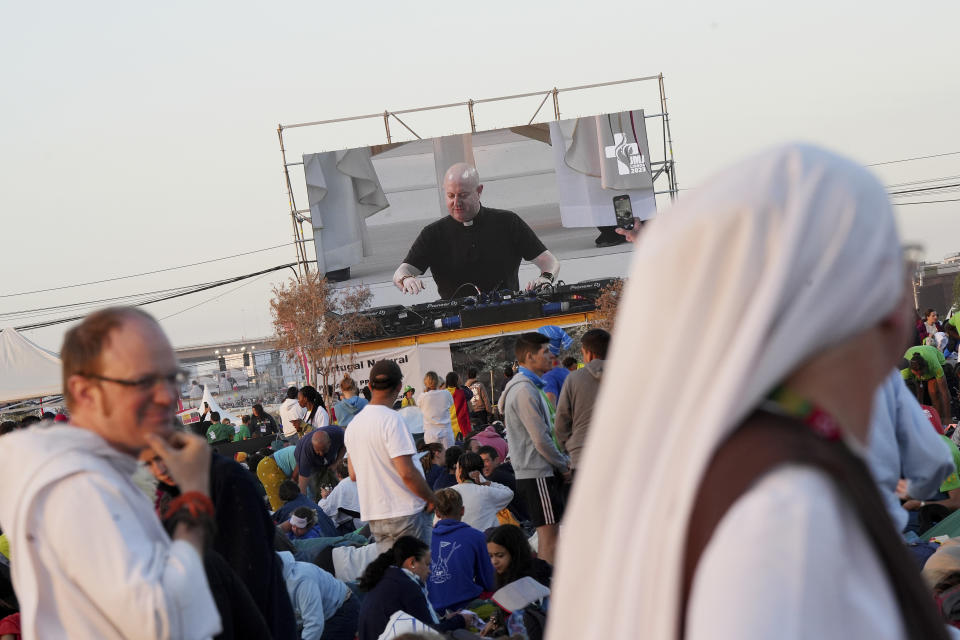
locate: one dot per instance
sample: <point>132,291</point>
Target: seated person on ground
<point>461,568</point>
<point>512,558</point>
<point>343,496</point>
<point>302,525</point>
<point>433,461</point>
<point>396,581</point>
<point>448,478</point>
<point>490,437</point>
<point>502,473</point>
<point>295,500</point>
<point>949,495</point>
<point>291,498</point>
<point>324,606</point>
<point>482,499</point>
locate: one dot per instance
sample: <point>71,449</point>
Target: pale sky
<point>139,137</point>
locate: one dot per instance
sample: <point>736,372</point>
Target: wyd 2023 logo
<point>629,158</point>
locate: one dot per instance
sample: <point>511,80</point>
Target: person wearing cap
<point>408,400</point>
<point>394,496</point>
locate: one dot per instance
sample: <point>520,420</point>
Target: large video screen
<point>367,204</point>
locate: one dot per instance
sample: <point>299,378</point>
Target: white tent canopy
<point>26,369</point>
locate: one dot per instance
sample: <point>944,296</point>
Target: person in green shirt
<point>243,431</point>
<point>950,486</point>
<point>925,368</point>
<point>952,326</point>
<point>218,432</point>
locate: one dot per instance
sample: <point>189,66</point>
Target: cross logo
<point>629,158</point>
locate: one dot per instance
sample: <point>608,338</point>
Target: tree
<point>321,322</point>
<point>606,313</point>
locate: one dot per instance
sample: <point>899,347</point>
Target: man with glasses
<point>90,557</point>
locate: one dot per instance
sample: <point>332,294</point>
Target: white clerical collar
<point>469,223</point>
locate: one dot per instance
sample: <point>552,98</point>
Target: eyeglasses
<point>175,379</point>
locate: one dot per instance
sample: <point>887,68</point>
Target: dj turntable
<point>497,307</point>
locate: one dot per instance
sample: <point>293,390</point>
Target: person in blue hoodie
<point>461,568</point>
<point>352,402</point>
<point>396,581</point>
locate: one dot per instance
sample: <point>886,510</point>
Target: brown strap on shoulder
<point>766,441</point>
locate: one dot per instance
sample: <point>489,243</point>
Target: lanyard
<point>785,402</point>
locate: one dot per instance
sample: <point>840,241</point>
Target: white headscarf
<point>770,262</point>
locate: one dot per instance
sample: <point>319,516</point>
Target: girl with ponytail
<point>397,581</point>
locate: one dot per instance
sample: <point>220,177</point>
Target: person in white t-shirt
<point>311,402</point>
<point>394,496</point>
<point>482,499</point>
<point>343,496</point>
<point>435,404</point>
<point>292,416</point>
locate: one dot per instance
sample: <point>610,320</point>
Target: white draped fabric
<point>771,261</point>
<point>214,406</point>
<point>343,190</point>
<point>585,197</point>
<point>26,369</point>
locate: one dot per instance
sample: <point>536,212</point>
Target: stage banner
<point>598,158</point>
<point>415,361</point>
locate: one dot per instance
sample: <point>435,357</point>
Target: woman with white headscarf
<point>788,268</point>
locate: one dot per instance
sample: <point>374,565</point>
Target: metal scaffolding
<point>666,166</point>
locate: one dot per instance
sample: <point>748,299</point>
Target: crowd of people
<point>784,490</point>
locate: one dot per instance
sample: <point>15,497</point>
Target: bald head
<point>321,442</point>
<point>462,188</point>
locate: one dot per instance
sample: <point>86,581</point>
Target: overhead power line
<point>942,187</point>
<point>199,304</point>
<point>903,204</point>
<point>220,283</point>
<point>145,273</point>
<point>936,155</point>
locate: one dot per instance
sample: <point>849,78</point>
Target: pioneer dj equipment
<point>486,309</point>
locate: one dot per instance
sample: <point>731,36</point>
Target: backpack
<point>476,402</point>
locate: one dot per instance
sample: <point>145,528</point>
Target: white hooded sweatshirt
<point>90,558</point>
